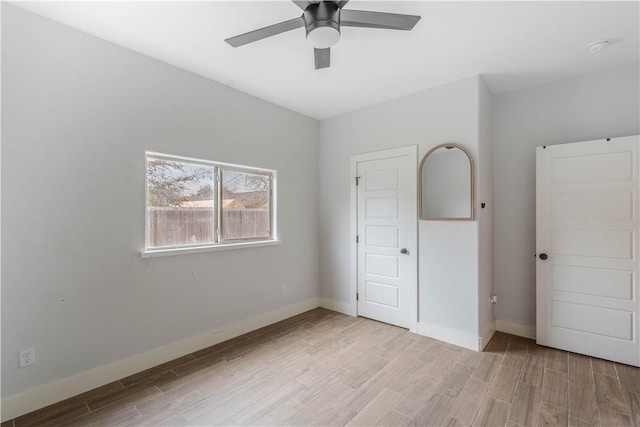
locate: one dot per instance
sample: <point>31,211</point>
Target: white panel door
<point>587,248</point>
<point>384,189</point>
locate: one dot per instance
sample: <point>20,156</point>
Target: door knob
<point>543,256</point>
<point>404,251</point>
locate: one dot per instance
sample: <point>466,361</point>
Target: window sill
<point>153,253</point>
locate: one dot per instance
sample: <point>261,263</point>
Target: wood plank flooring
<point>325,368</point>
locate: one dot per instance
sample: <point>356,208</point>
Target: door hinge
<point>357,296</point>
<point>358,180</point>
<point>357,239</point>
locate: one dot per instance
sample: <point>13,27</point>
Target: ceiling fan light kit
<point>322,21</point>
<point>322,24</point>
<point>323,37</point>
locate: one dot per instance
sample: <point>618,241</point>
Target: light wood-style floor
<point>325,368</point>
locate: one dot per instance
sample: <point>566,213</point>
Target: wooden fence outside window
<point>195,225</point>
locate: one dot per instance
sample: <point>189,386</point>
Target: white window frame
<point>219,244</point>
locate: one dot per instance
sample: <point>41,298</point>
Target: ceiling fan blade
<point>322,57</point>
<point>341,4</point>
<point>302,4</point>
<point>369,19</point>
<point>265,32</point>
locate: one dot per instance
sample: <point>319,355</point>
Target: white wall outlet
<point>493,299</point>
<point>283,290</point>
<point>27,357</point>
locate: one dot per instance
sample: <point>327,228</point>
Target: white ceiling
<point>514,45</point>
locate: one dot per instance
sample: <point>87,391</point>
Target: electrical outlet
<point>27,357</point>
<point>284,290</point>
<point>493,299</point>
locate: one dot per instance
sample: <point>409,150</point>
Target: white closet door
<point>587,248</point>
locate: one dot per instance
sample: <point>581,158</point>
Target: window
<point>199,204</point>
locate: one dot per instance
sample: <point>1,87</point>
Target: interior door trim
<point>412,227</point>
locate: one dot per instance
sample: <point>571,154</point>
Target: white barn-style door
<point>386,235</point>
<point>587,248</point>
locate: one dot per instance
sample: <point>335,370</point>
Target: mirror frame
<point>471,216</point>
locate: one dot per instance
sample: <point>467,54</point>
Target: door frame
<point>412,227</point>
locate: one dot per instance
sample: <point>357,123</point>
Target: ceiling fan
<point>322,21</point>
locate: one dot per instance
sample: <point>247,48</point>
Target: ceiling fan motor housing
<point>322,14</point>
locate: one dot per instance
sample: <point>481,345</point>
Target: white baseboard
<point>516,329</point>
<point>452,336</point>
<point>339,306</point>
<point>48,394</point>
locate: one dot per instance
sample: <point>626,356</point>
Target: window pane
<point>180,203</point>
<point>245,205</point>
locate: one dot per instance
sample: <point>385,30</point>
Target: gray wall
<point>448,263</point>
<point>593,106</point>
<point>78,114</point>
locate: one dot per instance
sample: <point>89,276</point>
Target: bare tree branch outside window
<point>171,183</point>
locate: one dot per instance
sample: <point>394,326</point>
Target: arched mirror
<point>446,184</point>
